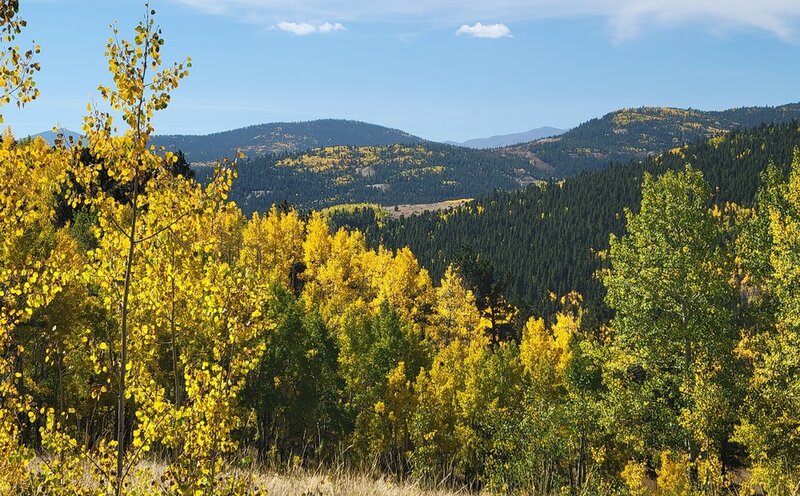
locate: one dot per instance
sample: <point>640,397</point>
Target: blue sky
<point>440,69</point>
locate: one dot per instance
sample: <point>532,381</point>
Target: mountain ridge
<point>636,133</point>
<point>510,139</point>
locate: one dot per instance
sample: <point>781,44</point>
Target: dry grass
<point>320,484</point>
<point>145,478</point>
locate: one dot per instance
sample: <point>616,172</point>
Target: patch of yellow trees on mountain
<point>349,158</point>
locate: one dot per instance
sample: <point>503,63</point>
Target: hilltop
<point>282,137</point>
<point>50,136</point>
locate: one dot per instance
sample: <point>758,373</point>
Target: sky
<point>439,69</point>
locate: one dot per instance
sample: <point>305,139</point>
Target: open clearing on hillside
<point>397,211</point>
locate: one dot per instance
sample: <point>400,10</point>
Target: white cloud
<point>305,28</point>
<point>626,18</point>
<point>327,27</point>
<point>479,30</point>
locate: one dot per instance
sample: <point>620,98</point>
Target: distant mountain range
<point>616,137</point>
<point>510,139</point>
<point>321,163</point>
<point>283,137</point>
<point>51,136</point>
<point>428,172</point>
<point>637,133</point>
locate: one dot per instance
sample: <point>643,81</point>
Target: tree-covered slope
<point>545,238</point>
<point>637,133</point>
<point>388,175</point>
<point>283,137</point>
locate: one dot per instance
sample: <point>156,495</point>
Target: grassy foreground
<point>322,484</point>
<point>147,478</point>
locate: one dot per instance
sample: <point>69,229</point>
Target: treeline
<point>639,132</point>
<point>387,175</point>
<point>546,238</point>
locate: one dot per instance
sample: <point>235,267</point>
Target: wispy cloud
<point>479,30</point>
<point>626,18</point>
<point>306,28</point>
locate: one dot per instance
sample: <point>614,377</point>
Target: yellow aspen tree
<point>166,263</point>
<point>435,426</point>
<point>317,245</point>
<point>32,264</point>
<point>211,316</point>
<point>273,245</point>
<point>772,406</point>
<point>488,413</point>
<point>390,423</point>
<point>456,316</point>
<point>230,303</point>
<point>545,353</point>
<point>560,383</point>
<point>33,271</point>
<point>377,265</point>
<point>141,87</point>
<point>342,278</point>
<point>440,427</point>
<point>406,286</point>
<point>672,477</point>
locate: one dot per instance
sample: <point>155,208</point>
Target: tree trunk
<point>174,342</point>
<point>691,446</point>
<point>124,340</point>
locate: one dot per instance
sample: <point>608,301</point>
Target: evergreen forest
<point>550,237</point>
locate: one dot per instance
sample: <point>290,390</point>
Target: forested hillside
<point>546,238</point>
<point>323,163</point>
<point>637,133</point>
<point>387,175</point>
<point>282,137</point>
